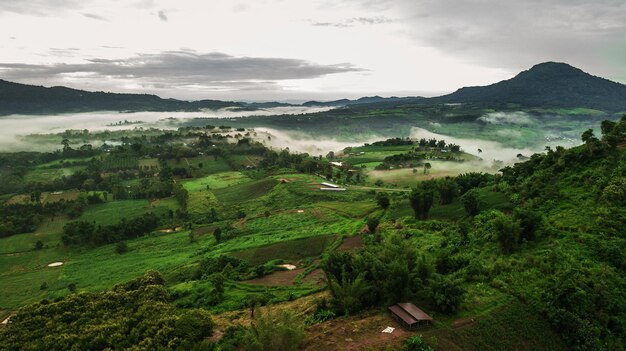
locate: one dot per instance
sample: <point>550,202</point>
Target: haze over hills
<point>548,84</point>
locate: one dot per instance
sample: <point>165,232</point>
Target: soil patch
<point>284,278</point>
<point>351,243</point>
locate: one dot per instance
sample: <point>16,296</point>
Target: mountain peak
<point>547,84</point>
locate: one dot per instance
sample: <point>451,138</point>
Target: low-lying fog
<point>491,150</point>
<point>302,142</point>
<point>13,127</point>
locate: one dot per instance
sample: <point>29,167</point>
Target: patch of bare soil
<point>360,332</point>
<point>351,243</point>
<point>277,278</point>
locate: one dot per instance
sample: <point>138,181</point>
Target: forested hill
<point>549,84</point>
<point>18,98</point>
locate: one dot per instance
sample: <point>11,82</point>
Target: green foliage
<point>615,192</point>
<point>448,190</point>
<point>135,315</point>
<point>507,232</point>
<point>447,293</point>
<point>382,200</point>
<point>421,199</point>
<point>416,343</point>
<point>372,223</point>
<point>284,332</point>
<point>121,247</point>
<point>471,202</point>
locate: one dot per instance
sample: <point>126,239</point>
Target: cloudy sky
<point>296,49</point>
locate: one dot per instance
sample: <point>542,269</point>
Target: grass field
<point>355,209</point>
<point>201,202</point>
<point>46,175</point>
<point>216,181</point>
<point>112,212</point>
<point>246,191</point>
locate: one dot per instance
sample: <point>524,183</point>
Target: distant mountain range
<point>549,84</point>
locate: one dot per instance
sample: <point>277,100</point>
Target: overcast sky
<point>296,49</point>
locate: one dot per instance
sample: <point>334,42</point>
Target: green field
<point>246,191</point>
<point>216,181</point>
<point>112,212</point>
<point>46,175</point>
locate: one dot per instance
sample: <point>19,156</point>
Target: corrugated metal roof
<point>402,314</point>
<point>415,312</point>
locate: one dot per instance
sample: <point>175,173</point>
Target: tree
<point>218,285</point>
<point>448,190</point>
<point>590,140</point>
<point>427,167</point>
<point>38,245</point>
<point>372,224</point>
<point>447,293</point>
<point>217,233</point>
<point>268,333</point>
<point>529,221</point>
<point>507,232</point>
<point>382,200</point>
<point>66,145</point>
<point>421,199</point>
<point>471,202</point>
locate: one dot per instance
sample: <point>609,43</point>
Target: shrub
<point>268,333</point>
<point>121,247</point>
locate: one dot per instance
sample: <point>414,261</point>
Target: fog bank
<point>14,127</point>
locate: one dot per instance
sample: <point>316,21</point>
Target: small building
<point>410,316</point>
<point>337,164</point>
<point>333,189</point>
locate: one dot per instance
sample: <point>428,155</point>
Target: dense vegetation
<point>132,316</point>
<point>233,225</point>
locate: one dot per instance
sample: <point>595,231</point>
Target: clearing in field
<point>285,278</point>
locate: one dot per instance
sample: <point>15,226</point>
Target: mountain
<point>549,84</point>
<point>359,101</point>
<point>18,98</point>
